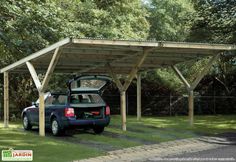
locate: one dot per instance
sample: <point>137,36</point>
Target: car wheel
<point>26,123</point>
<point>55,127</point>
<point>98,130</point>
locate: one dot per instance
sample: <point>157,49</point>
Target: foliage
<point>108,19</point>
<point>215,21</point>
<point>27,26</point>
<point>169,19</point>
<point>165,77</point>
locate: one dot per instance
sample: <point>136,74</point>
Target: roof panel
<point>91,55</point>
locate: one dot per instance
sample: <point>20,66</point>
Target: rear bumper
<point>88,123</point>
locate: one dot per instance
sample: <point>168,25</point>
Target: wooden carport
<point>112,57</point>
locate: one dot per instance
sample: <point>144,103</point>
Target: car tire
<point>26,123</point>
<point>98,130</point>
<point>55,127</point>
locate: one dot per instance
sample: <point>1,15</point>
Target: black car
<point>77,108</point>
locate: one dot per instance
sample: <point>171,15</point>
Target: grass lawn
<point>85,144</point>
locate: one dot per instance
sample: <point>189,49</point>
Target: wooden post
<point>138,96</point>
<point>190,87</point>
<point>41,114</point>
<point>191,107</point>
<point>123,109</point>
<point>6,99</point>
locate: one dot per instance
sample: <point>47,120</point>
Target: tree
<point>169,19</point>
<point>25,27</point>
<point>214,21</point>
<point>28,26</point>
<point>108,19</point>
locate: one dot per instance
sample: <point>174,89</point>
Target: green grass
<point>44,148</point>
<point>85,144</point>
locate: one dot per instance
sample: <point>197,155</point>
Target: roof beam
<point>36,55</point>
<point>206,46</point>
<point>116,42</point>
<point>103,64</point>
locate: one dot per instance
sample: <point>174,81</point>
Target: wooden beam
<point>136,68</point>
<point>34,75</point>
<point>41,114</point>
<point>181,77</point>
<point>202,73</point>
<point>191,107</point>
<point>116,43</point>
<point>123,109</point>
<point>36,55</point>
<point>139,94</point>
<point>206,46</point>
<point>50,69</point>
<point>160,44</point>
<point>129,55</point>
<point>114,77</point>
<point>6,99</point>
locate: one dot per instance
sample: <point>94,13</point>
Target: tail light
<point>108,111</point>
<point>69,112</point>
<point>95,112</point>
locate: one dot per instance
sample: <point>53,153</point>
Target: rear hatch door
<point>96,82</point>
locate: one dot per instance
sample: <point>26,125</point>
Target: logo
<point>17,155</point>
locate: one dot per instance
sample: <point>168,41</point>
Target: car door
<point>53,104</point>
<point>48,109</point>
<point>34,114</point>
<point>35,111</point>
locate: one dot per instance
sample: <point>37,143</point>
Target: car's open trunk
<point>89,112</point>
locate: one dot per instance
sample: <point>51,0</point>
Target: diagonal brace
<point>34,76</point>
<point>114,77</point>
<point>181,77</point>
<point>136,68</point>
<point>50,69</point>
<point>200,75</point>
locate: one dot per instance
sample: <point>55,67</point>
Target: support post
<point>41,114</point>
<point>125,86</point>
<point>123,109</point>
<point>191,107</point>
<point>6,99</point>
<point>190,87</point>
<point>41,98</point>
<point>138,96</point>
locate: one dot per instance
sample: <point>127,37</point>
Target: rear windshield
<point>85,99</point>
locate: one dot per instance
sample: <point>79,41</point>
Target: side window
<point>48,101</point>
<point>56,100</point>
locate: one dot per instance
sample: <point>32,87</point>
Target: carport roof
<point>91,56</point>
